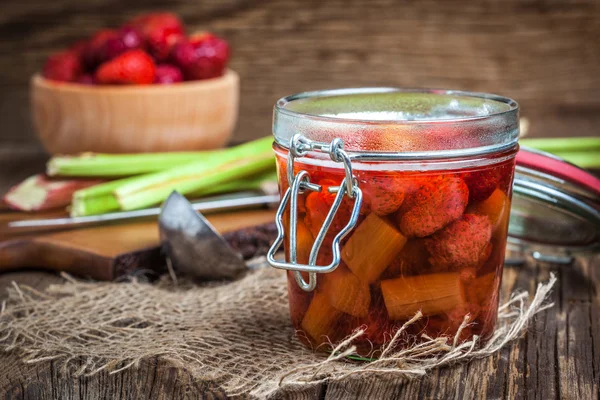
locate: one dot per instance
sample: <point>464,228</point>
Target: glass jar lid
<point>409,124</point>
<point>555,211</point>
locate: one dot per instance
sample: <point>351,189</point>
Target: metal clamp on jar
<point>298,184</point>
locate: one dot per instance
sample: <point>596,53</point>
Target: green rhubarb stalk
<point>583,159</point>
<point>145,190</point>
<point>101,204</point>
<point>572,144</point>
<point>260,149</point>
<point>94,205</point>
<point>213,158</point>
<point>255,182</point>
<point>102,189</point>
<point>115,165</point>
<point>98,199</point>
<point>201,178</point>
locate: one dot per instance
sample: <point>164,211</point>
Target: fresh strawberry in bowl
<point>203,56</point>
<point>63,67</point>
<point>92,52</point>
<point>131,67</point>
<point>161,31</point>
<point>168,73</point>
<point>141,87</point>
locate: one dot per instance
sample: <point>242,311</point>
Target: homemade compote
<point>430,237</point>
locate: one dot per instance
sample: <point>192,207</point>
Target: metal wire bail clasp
<point>298,184</point>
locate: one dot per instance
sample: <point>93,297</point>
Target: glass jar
<point>394,202</point>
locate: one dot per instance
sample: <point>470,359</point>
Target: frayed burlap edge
<point>235,335</point>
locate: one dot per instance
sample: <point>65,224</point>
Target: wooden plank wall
<point>543,53</point>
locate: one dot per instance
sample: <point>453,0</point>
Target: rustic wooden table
<point>559,357</point>
<point>543,53</point>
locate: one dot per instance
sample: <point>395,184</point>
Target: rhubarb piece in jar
<point>304,243</point>
<point>372,247</point>
<point>346,292</point>
<point>412,260</point>
<point>496,207</point>
<point>430,294</point>
<point>320,318</point>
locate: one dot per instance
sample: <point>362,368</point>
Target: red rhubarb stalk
<point>38,193</point>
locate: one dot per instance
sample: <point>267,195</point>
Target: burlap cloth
<point>236,335</point>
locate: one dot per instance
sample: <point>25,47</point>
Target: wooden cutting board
<point>102,252</point>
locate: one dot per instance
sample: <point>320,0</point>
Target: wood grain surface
<point>104,252</point>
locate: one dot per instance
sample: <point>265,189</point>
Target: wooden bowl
<point>72,118</point>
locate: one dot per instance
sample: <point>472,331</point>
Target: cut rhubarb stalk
<point>346,292</point>
<point>114,165</point>
<point>304,242</point>
<point>372,247</point>
<point>479,292</point>
<point>496,208</point>
<point>431,294</point>
<point>304,239</point>
<point>100,199</point>
<point>93,205</point>
<point>557,145</point>
<point>38,193</point>
<point>412,260</point>
<point>320,318</point>
<point>299,300</point>
<point>481,289</point>
<point>238,162</point>
<point>243,162</point>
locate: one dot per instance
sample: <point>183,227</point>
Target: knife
<point>231,201</point>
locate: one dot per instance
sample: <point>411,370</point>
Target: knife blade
<point>232,201</point>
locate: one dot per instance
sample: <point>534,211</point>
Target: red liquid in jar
<point>425,241</point>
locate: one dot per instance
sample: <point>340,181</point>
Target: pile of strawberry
<point>150,48</point>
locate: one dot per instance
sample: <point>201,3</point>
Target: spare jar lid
<point>555,210</point>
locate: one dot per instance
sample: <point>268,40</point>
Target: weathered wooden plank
<point>542,366</point>
<point>594,271</point>
<point>575,340</point>
<point>153,380</point>
<point>517,357</point>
